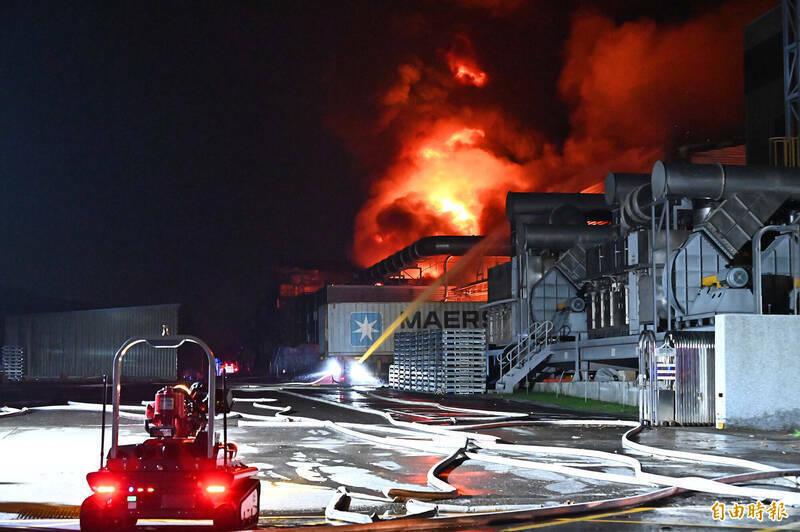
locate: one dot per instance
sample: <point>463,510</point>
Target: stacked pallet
<point>12,362</point>
<point>439,361</point>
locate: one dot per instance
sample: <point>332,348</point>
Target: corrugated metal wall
<point>340,321</point>
<point>83,343</point>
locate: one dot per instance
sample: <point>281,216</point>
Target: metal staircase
<point>529,352</point>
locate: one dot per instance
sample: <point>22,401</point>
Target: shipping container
<point>349,329</point>
<point>83,343</point>
<point>301,315</point>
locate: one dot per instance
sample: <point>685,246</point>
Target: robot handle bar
<point>162,342</point>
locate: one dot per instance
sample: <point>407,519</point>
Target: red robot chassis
<point>179,473</point>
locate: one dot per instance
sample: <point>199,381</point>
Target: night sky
<point>176,151</point>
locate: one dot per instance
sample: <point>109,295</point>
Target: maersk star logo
<point>365,327</point>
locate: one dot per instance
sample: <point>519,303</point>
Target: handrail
<point>538,334</point>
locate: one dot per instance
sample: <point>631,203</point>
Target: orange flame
<point>463,65</point>
<point>443,187</point>
<point>456,161</point>
<point>470,76</point>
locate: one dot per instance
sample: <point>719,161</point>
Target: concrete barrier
<point>620,392</point>
<point>756,371</point>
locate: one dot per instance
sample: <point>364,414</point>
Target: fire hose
<point>638,478</point>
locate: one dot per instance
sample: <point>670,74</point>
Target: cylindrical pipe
<point>538,236</point>
<point>543,202</point>
<point>716,181</point>
<point>612,308</point>
<point>429,247</point>
<point>602,309</point>
<point>566,215</point>
<point>634,210</point>
<point>626,295</point>
<point>447,258</point>
<point>620,184</point>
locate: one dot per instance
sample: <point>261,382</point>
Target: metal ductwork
<point>635,206</point>
<point>620,184</point>
<point>540,236</point>
<point>736,220</point>
<point>591,206</point>
<point>718,181</point>
<point>429,247</point>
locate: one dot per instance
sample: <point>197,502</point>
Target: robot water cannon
<point>177,412</point>
<point>183,471</point>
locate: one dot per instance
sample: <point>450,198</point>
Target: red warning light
<point>230,367</point>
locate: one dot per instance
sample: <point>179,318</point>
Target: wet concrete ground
<point>45,455</point>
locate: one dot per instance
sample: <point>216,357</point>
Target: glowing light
<point>359,374</point>
<point>230,367</point>
<point>458,209</point>
<point>452,179</point>
<point>332,368</point>
<point>465,137</point>
<point>470,76</point>
<point>430,153</point>
<point>184,388</point>
<point>215,489</point>
<point>150,490</point>
<point>104,489</point>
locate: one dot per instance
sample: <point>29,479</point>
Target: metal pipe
<point>633,205</point>
<point>716,181</point>
<point>447,258</point>
<point>652,256</point>
<point>429,247</point>
<point>612,303</point>
<point>667,223</point>
<point>645,338</point>
<point>537,236</point>
<point>620,184</point>
<point>626,295</point>
<point>602,309</point>
<point>521,203</point>
<point>103,421</point>
<point>225,416</point>
<point>757,288</point>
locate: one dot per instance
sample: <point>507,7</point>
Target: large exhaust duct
<point>429,247</point>
<point>717,181</point>
<point>592,206</point>
<point>540,236</point>
<point>620,184</point>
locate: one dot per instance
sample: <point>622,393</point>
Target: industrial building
<point>82,343</point>
<point>685,278</point>
<point>693,282</point>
